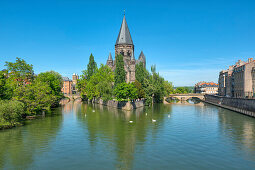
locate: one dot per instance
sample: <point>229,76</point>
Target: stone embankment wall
<point>244,106</point>
<point>125,105</point>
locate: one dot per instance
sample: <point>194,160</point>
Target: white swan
<point>130,121</point>
<point>153,120</point>
<point>169,116</point>
<point>93,110</point>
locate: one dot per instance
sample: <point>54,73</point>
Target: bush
<point>11,113</point>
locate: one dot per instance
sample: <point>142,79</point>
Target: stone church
<point>124,45</point>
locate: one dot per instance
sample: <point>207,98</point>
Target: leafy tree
<point>119,74</point>
<point>11,113</point>
<point>100,84</point>
<point>183,90</point>
<point>125,91</point>
<point>3,78</point>
<point>54,80</point>
<point>140,72</point>
<point>36,96</point>
<point>140,91</point>
<point>91,67</point>
<point>168,87</point>
<point>20,72</point>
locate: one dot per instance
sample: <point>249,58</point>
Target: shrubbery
<point>11,113</point>
<point>24,93</point>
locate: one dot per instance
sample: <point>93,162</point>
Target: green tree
<point>124,91</point>
<point>35,96</point>
<point>11,113</point>
<point>91,67</point>
<point>119,74</point>
<point>20,72</point>
<point>100,84</point>
<point>140,72</point>
<point>54,80</point>
<point>168,88</point>
<point>140,91</point>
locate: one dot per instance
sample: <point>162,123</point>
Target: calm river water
<point>82,136</point>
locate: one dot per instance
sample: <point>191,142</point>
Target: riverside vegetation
<point>22,93</point>
<point>103,83</point>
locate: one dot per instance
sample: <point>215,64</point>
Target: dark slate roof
<point>124,36</point>
<point>110,57</point>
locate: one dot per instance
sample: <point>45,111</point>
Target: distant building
<point>238,80</point>
<point>124,46</point>
<point>69,86</point>
<point>206,88</point>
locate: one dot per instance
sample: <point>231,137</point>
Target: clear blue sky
<point>189,41</point>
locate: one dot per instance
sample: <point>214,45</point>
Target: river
<point>85,136</point>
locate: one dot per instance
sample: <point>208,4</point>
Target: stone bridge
<point>73,97</point>
<point>184,97</point>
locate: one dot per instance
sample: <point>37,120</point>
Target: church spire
<point>124,36</point>
<point>110,56</point>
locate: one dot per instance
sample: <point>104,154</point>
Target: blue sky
<point>189,41</point>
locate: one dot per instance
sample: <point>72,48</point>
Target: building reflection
<point>240,129</point>
<point>113,125</point>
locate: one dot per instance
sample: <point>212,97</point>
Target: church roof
<point>124,36</point>
<point>110,57</point>
<point>141,56</point>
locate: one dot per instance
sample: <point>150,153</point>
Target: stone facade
<point>69,86</point>
<point>124,46</point>
<point>237,81</point>
<point>206,88</point>
<point>241,105</point>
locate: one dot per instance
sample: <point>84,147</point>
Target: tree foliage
<point>119,74</point>
<point>124,91</point>
<point>11,113</point>
<point>140,91</point>
<point>100,84</point>
<point>91,67</point>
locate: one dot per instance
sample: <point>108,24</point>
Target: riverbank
<point>240,105</point>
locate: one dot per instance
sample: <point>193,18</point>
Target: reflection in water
<point>188,134</point>
<point>239,129</point>
<point>19,145</point>
<point>112,124</point>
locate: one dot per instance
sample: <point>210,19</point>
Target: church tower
<point>124,46</point>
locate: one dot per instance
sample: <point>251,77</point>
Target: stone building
<point>69,86</point>
<point>237,81</point>
<point>206,88</point>
<point>124,46</point>
<point>253,81</point>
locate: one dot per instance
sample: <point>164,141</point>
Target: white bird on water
<point>130,121</point>
<point>146,114</point>
<point>168,115</point>
<point>93,110</point>
<point>85,115</point>
<point>153,120</point>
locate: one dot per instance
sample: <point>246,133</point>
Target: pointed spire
<point>110,56</point>
<point>124,36</point>
<point>141,56</point>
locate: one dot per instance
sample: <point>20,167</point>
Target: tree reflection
<point>113,125</point>
<point>18,146</point>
